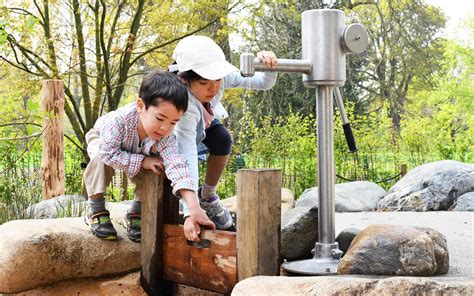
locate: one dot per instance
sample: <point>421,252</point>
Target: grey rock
<point>359,196</point>
<point>345,237</point>
<point>394,250</point>
<point>299,232</point>
<point>430,187</point>
<point>465,203</point>
<point>60,206</point>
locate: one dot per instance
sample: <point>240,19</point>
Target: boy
<point>135,137</point>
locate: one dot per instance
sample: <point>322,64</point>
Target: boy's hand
<point>192,224</point>
<point>153,163</point>
<point>268,58</point>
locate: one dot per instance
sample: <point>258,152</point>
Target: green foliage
<point>71,209</point>
<point>440,120</point>
<point>19,189</point>
<point>374,139</point>
<point>286,142</point>
<point>403,46</point>
<point>3,34</point>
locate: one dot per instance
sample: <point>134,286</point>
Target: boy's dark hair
<point>158,86</point>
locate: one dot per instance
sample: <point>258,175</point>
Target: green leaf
<point>32,105</point>
<point>30,129</point>
<point>30,23</point>
<point>3,38</point>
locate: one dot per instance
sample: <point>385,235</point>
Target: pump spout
<point>249,64</point>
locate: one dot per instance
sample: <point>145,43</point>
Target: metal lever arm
<point>345,122</point>
<point>249,64</point>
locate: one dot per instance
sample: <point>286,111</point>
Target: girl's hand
<point>192,225</point>
<point>268,58</point>
<point>192,229</point>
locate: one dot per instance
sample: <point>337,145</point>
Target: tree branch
<point>170,42</point>
<point>21,138</point>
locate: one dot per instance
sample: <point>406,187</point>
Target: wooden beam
<point>52,161</point>
<point>209,265</point>
<point>156,196</point>
<point>258,222</point>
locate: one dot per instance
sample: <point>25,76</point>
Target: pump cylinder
<point>321,44</point>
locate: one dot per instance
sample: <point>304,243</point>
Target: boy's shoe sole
<point>110,236</point>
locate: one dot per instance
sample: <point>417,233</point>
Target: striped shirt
<point>120,147</point>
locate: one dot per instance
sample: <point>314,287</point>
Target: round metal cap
<point>355,39</point>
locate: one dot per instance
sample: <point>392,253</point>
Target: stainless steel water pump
<point>326,41</point>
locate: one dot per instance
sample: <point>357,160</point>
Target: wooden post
<point>52,162</point>
<point>258,222</point>
<point>124,186</point>
<point>156,196</point>
<point>403,169</point>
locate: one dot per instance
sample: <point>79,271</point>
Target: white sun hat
<point>202,55</point>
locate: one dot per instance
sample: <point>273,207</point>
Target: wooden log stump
<point>52,161</point>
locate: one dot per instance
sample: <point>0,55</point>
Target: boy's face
<point>205,90</point>
<point>158,121</point>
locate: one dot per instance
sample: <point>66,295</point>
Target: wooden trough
<point>222,258</point>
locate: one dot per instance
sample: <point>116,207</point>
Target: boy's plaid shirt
<point>119,148</point>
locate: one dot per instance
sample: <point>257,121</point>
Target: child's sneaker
<point>100,225</point>
<point>133,221</point>
<point>216,211</point>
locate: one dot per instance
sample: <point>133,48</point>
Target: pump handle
<point>345,122</point>
<point>349,137</point>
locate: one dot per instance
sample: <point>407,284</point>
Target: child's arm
<point>153,163</point>
<point>186,133</point>
<point>183,186</point>
<point>174,165</point>
<point>192,224</point>
<point>112,135</point>
<point>259,81</point>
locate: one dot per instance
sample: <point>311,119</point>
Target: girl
<point>201,64</point>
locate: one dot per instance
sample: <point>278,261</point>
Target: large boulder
<point>287,201</point>
<point>396,250</point>
<point>60,206</point>
<point>353,285</point>
<point>440,249</point>
<point>40,252</point>
<point>299,232</point>
<point>345,238</point>
<point>128,284</point>
<point>433,186</point>
<point>465,203</point>
<point>359,196</point>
